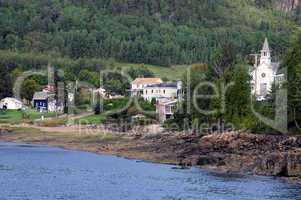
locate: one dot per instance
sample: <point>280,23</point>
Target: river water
<point>39,172</point>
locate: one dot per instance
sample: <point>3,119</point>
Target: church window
<point>263,75</point>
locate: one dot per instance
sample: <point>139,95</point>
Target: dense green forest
<point>160,32</point>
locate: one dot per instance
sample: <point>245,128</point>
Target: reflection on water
<point>37,172</point>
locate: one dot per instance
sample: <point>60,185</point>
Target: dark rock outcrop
<point>247,153</point>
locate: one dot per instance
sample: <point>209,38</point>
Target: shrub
<point>97,109</point>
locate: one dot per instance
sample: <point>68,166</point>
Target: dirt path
<point>70,117</point>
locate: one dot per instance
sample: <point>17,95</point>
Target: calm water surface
<point>37,172</point>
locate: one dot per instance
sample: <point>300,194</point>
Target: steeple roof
<point>266,45</point>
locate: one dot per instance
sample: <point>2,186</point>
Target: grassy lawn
<point>171,73</point>
<point>92,119</point>
<point>14,116</point>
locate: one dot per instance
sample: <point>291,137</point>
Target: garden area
<point>16,116</point>
<point>122,109</point>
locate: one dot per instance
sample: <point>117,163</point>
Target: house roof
<point>147,81</point>
<point>275,66</point>
<point>163,85</point>
<point>41,95</point>
<point>166,101</point>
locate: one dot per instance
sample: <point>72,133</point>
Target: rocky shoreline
<point>268,155</point>
<point>245,153</point>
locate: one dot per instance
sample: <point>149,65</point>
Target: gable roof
<point>166,101</point>
<point>42,96</point>
<point>147,80</point>
<point>275,67</point>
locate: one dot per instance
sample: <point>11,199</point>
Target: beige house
<point>165,109</point>
<point>163,90</point>
<point>139,84</point>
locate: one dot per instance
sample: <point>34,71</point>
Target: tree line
<point>156,32</point>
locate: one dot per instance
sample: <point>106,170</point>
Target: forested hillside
<point>160,32</point>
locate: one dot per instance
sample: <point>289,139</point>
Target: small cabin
<point>43,101</point>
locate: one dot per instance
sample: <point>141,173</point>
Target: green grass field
<point>171,73</point>
<point>14,116</point>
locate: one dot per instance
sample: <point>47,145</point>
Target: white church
<point>264,73</point>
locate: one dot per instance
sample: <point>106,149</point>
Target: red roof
<point>147,81</point>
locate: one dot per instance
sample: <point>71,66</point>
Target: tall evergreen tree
<point>238,96</point>
<point>293,64</point>
<point>5,83</point>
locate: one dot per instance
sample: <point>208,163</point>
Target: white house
<point>139,84</point>
<point>264,73</point>
<point>163,90</point>
<point>11,104</point>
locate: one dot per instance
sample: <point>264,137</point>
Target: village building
<point>165,109</point>
<point>163,90</point>
<point>264,74</point>
<point>102,93</point>
<point>139,84</point>
<point>10,103</point>
<point>49,88</point>
<point>44,101</point>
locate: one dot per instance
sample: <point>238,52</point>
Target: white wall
<point>259,79</point>
<point>154,93</point>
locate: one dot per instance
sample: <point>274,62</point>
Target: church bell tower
<point>265,57</point>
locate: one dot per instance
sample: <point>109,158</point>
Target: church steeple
<point>265,53</point>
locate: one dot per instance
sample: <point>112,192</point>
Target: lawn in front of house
<point>15,116</point>
<point>92,119</point>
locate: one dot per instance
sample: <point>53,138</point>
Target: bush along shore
<point>245,153</point>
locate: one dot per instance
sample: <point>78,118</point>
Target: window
<point>152,91</point>
<point>263,75</point>
<point>168,109</point>
<point>163,91</point>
